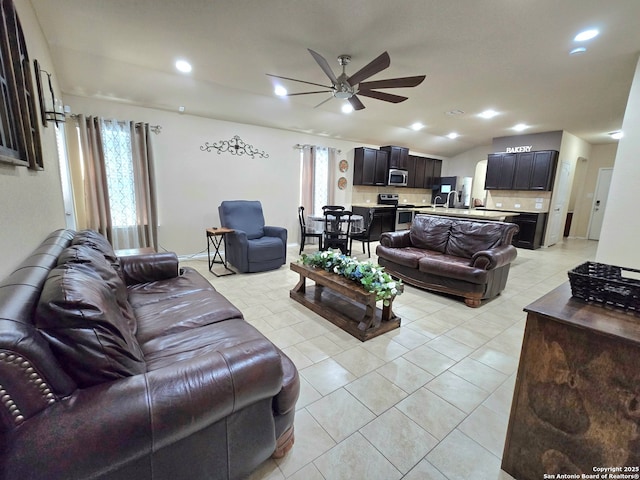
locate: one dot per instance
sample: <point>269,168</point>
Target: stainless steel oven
<point>404,218</point>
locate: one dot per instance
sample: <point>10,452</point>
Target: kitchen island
<point>465,213</point>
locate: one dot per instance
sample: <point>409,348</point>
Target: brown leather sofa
<point>132,368</point>
<point>466,258</point>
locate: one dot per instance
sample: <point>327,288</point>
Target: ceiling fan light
<point>586,35</point>
<point>417,126</point>
<point>452,135</point>
<point>183,66</point>
<point>488,114</point>
<point>347,108</point>
<point>343,95</point>
<point>280,91</point>
<point>617,135</point>
<point>520,127</point>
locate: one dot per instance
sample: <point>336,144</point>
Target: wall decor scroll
<point>234,146</point>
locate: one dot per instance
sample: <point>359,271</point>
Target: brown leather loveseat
<point>467,258</point>
<point>132,368</point>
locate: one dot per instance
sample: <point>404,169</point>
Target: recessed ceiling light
<point>617,135</point>
<point>347,108</point>
<point>455,112</point>
<point>453,135</point>
<point>417,126</point>
<point>577,51</point>
<point>183,66</point>
<point>488,114</point>
<point>586,35</point>
<point>520,127</point>
<point>280,91</point>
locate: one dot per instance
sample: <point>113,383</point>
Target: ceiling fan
<point>348,87</point>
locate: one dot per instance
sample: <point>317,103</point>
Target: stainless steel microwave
<point>397,178</point>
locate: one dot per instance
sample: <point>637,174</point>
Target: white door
<point>560,199</point>
<point>599,203</point>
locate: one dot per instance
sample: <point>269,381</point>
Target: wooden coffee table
<point>343,302</point>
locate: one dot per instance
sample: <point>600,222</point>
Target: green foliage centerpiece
<point>372,277</point>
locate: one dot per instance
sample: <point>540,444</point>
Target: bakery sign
<point>521,149</point>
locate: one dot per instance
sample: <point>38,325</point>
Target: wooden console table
<point>343,302</point>
<point>576,404</point>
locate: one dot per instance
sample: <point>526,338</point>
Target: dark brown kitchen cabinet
<point>501,169</point>
<point>522,171</point>
<point>411,171</point>
<point>433,173</point>
<point>398,156</point>
<point>384,220</point>
<point>370,166</point>
<point>531,229</point>
<point>543,170</point>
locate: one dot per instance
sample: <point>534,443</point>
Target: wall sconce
<point>51,109</point>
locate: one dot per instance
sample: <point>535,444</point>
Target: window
<point>119,169</point>
<point>19,133</point>
<point>321,179</point>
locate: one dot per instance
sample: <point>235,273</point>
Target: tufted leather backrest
<point>30,376</point>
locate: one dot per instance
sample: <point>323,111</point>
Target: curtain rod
<point>154,128</point>
<point>301,146</point>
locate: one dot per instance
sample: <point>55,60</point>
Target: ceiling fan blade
<point>323,102</point>
<point>386,97</point>
<point>324,65</point>
<point>301,81</point>
<point>394,82</point>
<point>356,103</point>
<point>377,65</point>
<point>306,93</point>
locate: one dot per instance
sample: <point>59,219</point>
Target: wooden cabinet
<point>501,169</point>
<point>521,171</point>
<point>543,170</point>
<point>384,220</point>
<point>426,172</point>
<point>576,400</point>
<point>531,228</point>
<point>370,166</point>
<point>398,156</point>
<point>433,172</point>
<point>411,169</point>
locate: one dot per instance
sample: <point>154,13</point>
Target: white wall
<point>192,183</point>
<point>31,201</point>
<point>621,225</point>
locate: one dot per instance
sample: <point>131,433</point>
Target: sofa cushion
<point>83,254</point>
<point>452,267</point>
<point>79,316</point>
<point>430,232</point>
<point>408,256</point>
<point>93,239</point>
<point>265,248</point>
<point>166,307</point>
<point>467,238</point>
<point>244,215</point>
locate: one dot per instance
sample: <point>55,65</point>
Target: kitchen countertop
<point>519,210</point>
<point>371,205</point>
<point>465,213</point>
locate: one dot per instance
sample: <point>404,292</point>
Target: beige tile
<point>468,336</point>
<point>267,471</point>
<point>340,414</point>
<point>407,338</point>
<point>327,376</point>
<point>424,471</point>
<point>457,391</point>
<point>319,348</point>
<point>284,337</point>
<point>310,472</point>
<point>431,326</point>
<point>297,357</point>
<point>311,442</point>
<point>376,392</point>
<point>308,394</point>
<point>356,458</point>
<point>385,348</point>
<point>460,458</point>
<point>500,400</point>
<point>450,347</point>
<point>479,374</point>
<point>311,328</point>
<point>402,441</point>
<point>431,412</point>
<point>496,359</point>
<point>404,374</point>
<point>487,428</point>
<point>358,360</point>
<point>429,359</point>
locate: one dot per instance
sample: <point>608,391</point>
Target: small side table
<point>215,236</point>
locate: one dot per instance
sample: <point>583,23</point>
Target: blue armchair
<point>253,247</point>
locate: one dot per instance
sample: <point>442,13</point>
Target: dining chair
<point>337,225</point>
<point>364,235</point>
<point>307,231</point>
<point>332,207</point>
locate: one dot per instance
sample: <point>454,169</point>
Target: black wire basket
<point>604,284</point>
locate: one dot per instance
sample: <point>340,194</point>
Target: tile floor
<point>429,400</point>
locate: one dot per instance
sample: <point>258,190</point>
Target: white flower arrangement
<point>372,277</point>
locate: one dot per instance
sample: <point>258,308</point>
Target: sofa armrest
<point>399,239</point>
<point>149,267</point>
<point>130,418</point>
<point>494,258</point>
